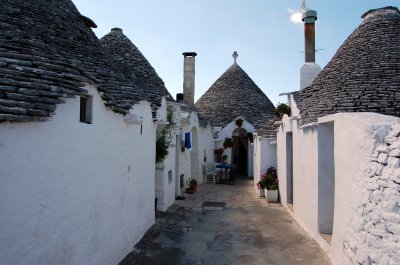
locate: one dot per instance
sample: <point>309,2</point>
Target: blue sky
<point>264,33</point>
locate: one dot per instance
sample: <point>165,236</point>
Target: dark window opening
<point>86,109</point>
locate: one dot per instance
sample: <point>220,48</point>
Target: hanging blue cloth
<point>188,143</point>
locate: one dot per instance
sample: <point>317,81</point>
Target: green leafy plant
<point>282,109</point>
<point>269,180</point>
<point>228,143</point>
<point>164,139</point>
<point>187,182</point>
<point>250,136</point>
<point>193,184</point>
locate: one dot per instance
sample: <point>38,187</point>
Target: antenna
<point>303,5</point>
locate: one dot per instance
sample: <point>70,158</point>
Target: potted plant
<point>228,143</point>
<point>193,185</point>
<point>250,136</point>
<point>164,141</point>
<point>281,110</point>
<point>225,158</point>
<point>260,186</point>
<point>218,153</point>
<point>189,186</point>
<point>270,182</point>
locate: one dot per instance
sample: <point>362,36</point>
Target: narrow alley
<point>225,225</point>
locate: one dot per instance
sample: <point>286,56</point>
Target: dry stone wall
<point>374,234</point>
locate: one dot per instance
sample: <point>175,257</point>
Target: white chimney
<point>310,69</point>
<point>188,76</point>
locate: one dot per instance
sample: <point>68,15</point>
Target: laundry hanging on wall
<point>188,142</point>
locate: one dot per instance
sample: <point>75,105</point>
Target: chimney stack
<point>309,17</point>
<point>310,69</point>
<point>188,76</point>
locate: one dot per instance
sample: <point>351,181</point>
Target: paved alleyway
<point>225,225</point>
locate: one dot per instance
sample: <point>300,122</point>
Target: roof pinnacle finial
<point>235,56</point>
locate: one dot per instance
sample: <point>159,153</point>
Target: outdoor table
<point>226,166</point>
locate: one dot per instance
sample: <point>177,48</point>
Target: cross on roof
<point>235,56</point>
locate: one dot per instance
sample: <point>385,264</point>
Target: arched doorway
<point>194,156</point>
<point>240,150</point>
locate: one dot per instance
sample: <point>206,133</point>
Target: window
<point>86,109</point>
<point>170,177</point>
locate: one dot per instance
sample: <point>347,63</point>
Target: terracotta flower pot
<point>190,190</point>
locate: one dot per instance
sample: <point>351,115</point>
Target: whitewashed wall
<point>207,146</point>
<point>205,142</point>
<point>294,110</point>
<point>165,182</point>
<point>354,135</point>
<point>165,176</point>
<point>264,156</point>
<point>305,178</point>
<point>75,193</point>
<point>186,156</point>
<point>362,133</point>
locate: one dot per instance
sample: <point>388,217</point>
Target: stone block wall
<point>374,234</point>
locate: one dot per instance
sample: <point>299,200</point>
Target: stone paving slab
<point>247,230</point>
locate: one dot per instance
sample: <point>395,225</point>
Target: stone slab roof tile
<point>363,75</point>
<point>132,63</point>
<point>235,94</point>
<point>47,53</point>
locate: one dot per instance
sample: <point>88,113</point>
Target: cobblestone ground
<point>227,225</point>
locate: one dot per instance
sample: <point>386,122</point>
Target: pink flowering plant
<point>269,180</point>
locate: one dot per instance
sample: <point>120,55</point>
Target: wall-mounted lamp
<point>216,131</point>
<point>216,135</point>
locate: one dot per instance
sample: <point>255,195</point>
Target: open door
<point>240,151</point>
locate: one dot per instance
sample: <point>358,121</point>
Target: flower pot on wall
<point>160,165</point>
<point>271,195</point>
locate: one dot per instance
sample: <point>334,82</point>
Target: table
<point>227,166</point>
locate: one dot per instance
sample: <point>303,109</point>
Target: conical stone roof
<point>134,65</point>
<point>235,94</point>
<point>363,75</point>
<point>47,53</point>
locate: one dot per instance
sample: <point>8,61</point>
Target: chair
<point>209,172</point>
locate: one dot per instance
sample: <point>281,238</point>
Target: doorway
<point>194,156</point>
<point>289,169</point>
<point>326,179</point>
<point>240,151</point>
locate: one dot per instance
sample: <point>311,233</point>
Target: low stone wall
<point>374,234</point>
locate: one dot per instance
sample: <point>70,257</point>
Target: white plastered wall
<point>356,135</point>
<point>206,147</point>
<point>205,144</point>
<point>165,176</point>
<point>354,141</point>
<point>264,156</point>
<point>75,193</point>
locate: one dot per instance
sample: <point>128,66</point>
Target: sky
<point>267,34</point>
